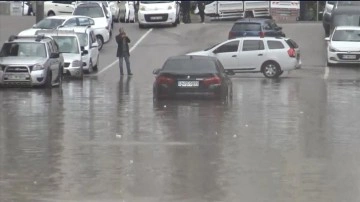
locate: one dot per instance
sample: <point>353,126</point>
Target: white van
<point>158,13</point>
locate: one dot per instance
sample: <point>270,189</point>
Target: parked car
<point>192,76</point>
<point>343,46</point>
<point>255,27</point>
<point>329,5</point>
<point>52,8</point>
<point>345,16</point>
<point>158,13</point>
<point>54,22</point>
<point>69,45</point>
<point>31,61</point>
<point>101,17</point>
<point>127,11</point>
<point>89,43</point>
<point>269,55</point>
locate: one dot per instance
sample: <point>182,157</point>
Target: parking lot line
<point>327,71</point>
<point>131,49</point>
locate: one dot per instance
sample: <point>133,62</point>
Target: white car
<point>69,45</point>
<point>269,55</point>
<point>344,46</point>
<point>101,17</point>
<point>52,8</point>
<point>158,13</point>
<point>89,43</point>
<point>54,22</point>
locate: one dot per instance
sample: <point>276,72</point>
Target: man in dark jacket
<point>123,51</point>
<point>201,7</point>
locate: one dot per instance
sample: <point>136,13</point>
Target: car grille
<point>66,64</point>
<point>17,69</point>
<point>342,56</point>
<point>159,17</point>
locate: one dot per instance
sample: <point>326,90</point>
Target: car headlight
<point>170,7</point>
<point>38,67</point>
<point>76,63</point>
<point>332,49</point>
<point>142,8</point>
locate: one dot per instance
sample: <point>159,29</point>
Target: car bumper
<point>163,91</point>
<point>156,17</point>
<point>34,78</point>
<point>292,65</point>
<point>72,71</point>
<point>337,58</point>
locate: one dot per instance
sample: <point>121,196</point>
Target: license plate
<point>349,57</point>
<point>188,83</point>
<point>156,18</point>
<point>16,77</point>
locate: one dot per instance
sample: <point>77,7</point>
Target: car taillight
<point>231,35</point>
<point>164,80</point>
<point>291,52</point>
<point>212,81</point>
<point>262,34</point>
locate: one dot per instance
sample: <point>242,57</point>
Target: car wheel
<point>50,13</point>
<point>100,41</point>
<point>271,69</point>
<point>48,80</point>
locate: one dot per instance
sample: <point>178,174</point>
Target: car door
<point>252,55</point>
<point>227,53</point>
<point>54,62</point>
<point>93,48</point>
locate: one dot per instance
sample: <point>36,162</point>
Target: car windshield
<point>83,39</point>
<point>67,44</point>
<point>49,23</point>
<point>154,2</point>
<point>23,49</point>
<point>241,27</point>
<point>348,3</point>
<point>346,35</point>
<point>347,20</point>
<point>189,66</point>
<point>93,11</point>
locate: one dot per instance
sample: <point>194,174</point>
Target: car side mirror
<point>54,55</point>
<point>82,48</point>
<point>327,39</point>
<point>156,71</point>
<point>84,52</point>
<point>229,72</point>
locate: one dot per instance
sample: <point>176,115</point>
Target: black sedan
<point>199,76</point>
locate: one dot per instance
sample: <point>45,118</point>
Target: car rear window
<point>275,45</point>
<point>292,43</point>
<point>190,66</point>
<point>241,27</point>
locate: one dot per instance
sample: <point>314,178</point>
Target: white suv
<point>52,8</point>
<point>270,55</point>
<point>89,43</point>
<point>101,17</point>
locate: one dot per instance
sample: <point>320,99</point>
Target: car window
<point>90,11</point>
<point>67,44</point>
<point>346,20</point>
<point>275,45</point>
<point>84,21</point>
<point>273,24</point>
<point>50,48</point>
<point>229,47</point>
<point>49,23</point>
<point>251,45</point>
<point>83,39</point>
<point>71,22</point>
<point>267,26</point>
<point>23,49</point>
<point>240,27</point>
<point>346,35</point>
<point>190,66</point>
<point>292,43</point>
<point>105,10</point>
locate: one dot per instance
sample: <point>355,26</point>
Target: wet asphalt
<point>295,138</point>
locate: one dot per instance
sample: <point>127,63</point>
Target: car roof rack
<point>37,37</point>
